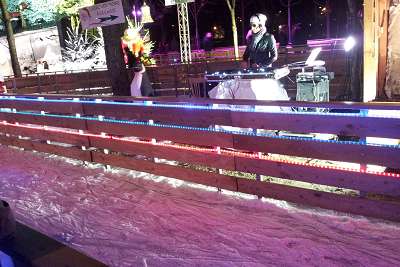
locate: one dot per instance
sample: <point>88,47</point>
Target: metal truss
<point>184,35</point>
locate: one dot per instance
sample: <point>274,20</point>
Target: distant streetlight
<point>325,10</point>
<point>289,5</point>
<point>328,18</point>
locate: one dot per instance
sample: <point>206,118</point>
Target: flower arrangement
<point>137,48</point>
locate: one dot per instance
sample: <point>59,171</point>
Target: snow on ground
<point>136,219</point>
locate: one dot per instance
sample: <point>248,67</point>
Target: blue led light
<point>199,107</point>
<point>172,126</point>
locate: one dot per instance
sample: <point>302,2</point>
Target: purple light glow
<point>324,42</point>
<point>136,12</point>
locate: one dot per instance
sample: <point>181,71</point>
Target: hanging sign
<point>103,14</point>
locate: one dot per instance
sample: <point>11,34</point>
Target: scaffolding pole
<point>184,34</point>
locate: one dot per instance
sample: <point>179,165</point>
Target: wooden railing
<point>164,78</point>
<point>91,82</point>
<point>284,159</point>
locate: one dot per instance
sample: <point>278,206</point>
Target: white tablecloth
<point>255,89</point>
<point>260,89</point>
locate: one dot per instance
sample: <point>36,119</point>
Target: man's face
<point>255,25</point>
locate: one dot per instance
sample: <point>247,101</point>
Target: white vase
<point>137,82</point>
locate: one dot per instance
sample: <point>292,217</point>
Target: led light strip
<point>229,107</point>
<point>172,126</point>
<point>208,150</point>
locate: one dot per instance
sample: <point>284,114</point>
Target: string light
<point>191,128</point>
<point>235,108</point>
<point>216,150</point>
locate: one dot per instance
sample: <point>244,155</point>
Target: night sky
<point>216,14</point>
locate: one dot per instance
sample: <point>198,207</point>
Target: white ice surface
<point>136,219</point>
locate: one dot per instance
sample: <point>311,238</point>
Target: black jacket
<point>264,53</point>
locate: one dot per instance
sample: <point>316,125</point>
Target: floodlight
<point>349,43</point>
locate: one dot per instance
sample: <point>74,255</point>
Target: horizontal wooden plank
<point>367,182</point>
<point>176,115</point>
<point>377,155</point>
<point>42,134</point>
<point>330,105</point>
<point>30,90</point>
<point>44,120</point>
<point>81,84</point>
<point>309,123</point>
<point>185,99</point>
<point>31,81</point>
<point>170,153</point>
<point>58,79</point>
<point>70,152</point>
<point>83,76</point>
<point>185,174</point>
<point>86,91</point>
<point>57,87</point>
<point>179,135</point>
<point>366,207</point>
<point>57,107</point>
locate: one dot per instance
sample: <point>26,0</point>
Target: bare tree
<point>355,57</point>
<point>195,9</point>
<point>10,38</point>
<point>289,4</point>
<point>231,5</point>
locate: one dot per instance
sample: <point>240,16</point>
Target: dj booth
<point>261,84</point>
<point>264,84</point>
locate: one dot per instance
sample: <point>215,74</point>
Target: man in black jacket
<point>261,51</point>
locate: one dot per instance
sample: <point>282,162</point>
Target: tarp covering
<point>129,218</point>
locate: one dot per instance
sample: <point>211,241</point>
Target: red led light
<point>216,150</point>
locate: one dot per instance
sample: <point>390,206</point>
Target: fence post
<point>56,83</point>
<point>39,89</point>
<point>363,139</point>
<point>176,80</point>
<point>15,85</point>
<point>88,79</point>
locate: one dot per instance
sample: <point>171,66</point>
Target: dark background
<point>306,13</point>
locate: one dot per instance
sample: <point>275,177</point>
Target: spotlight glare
<point>349,43</point>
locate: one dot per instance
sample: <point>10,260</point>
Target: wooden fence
<point>182,140</point>
<point>172,79</point>
<point>90,82</point>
